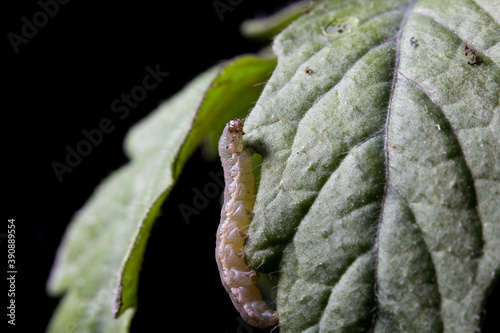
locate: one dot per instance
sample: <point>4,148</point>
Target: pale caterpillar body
<point>237,278</point>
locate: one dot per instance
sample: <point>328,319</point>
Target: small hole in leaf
<point>339,27</point>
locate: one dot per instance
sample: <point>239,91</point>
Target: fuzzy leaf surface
<point>379,195</point>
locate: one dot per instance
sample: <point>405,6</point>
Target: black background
<point>63,81</point>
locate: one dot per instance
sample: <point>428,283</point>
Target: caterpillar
<point>237,278</point>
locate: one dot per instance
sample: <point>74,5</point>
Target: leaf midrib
<point>329,89</point>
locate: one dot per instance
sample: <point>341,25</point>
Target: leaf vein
<point>434,268</point>
<point>484,10</point>
<point>386,143</point>
<point>277,92</point>
<point>469,173</point>
<point>484,54</point>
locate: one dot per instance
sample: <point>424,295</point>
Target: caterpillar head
<point>235,126</point>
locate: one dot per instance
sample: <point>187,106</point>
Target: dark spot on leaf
<point>474,56</point>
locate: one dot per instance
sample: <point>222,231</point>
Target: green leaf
<point>379,194</point>
<point>265,28</point>
<point>98,262</point>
